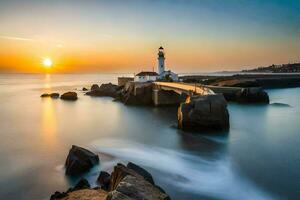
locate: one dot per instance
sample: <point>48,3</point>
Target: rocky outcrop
<point>108,89</point>
<point>95,87</point>
<point>252,95</point>
<point>84,194</point>
<point>245,82</point>
<point>133,182</point>
<point>145,174</point>
<point>80,160</point>
<point>204,113</point>
<point>134,188</point>
<point>265,81</point>
<point>52,95</point>
<point>70,96</point>
<point>135,93</point>
<point>130,182</point>
<point>81,191</point>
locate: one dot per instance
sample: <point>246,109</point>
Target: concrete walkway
<point>183,87</point>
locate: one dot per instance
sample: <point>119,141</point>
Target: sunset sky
<point>124,35</point>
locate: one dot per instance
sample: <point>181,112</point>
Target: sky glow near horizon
<point>123,36</point>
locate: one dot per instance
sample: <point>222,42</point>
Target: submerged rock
<point>81,191</point>
<point>71,96</point>
<point>280,105</point>
<point>252,95</point>
<point>204,113</point>
<point>80,160</point>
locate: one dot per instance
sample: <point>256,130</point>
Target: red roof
<point>147,74</point>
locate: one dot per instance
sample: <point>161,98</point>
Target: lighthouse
<point>161,75</point>
<point>161,61</point>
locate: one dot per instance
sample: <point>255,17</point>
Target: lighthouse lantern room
<point>161,60</point>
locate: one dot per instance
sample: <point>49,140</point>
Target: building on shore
<point>146,76</point>
<point>161,74</point>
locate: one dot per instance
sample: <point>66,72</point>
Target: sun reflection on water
<point>47,81</point>
<point>49,124</point>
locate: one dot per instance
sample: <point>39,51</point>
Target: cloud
<point>54,43</point>
<point>16,38</point>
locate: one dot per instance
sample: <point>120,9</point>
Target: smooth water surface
<point>257,159</point>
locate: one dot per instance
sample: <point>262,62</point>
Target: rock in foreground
<point>204,113</point>
<point>130,182</point>
<point>104,180</point>
<point>52,95</point>
<point>70,96</point>
<point>80,160</point>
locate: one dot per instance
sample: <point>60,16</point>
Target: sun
<point>47,62</point>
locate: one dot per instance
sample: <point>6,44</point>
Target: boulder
<point>95,87</point>
<point>144,173</point>
<point>54,95</point>
<point>120,171</point>
<point>252,95</point>
<point>45,95</point>
<point>108,89</point>
<point>80,160</point>
<point>207,112</point>
<point>84,89</point>
<point>136,93</point>
<point>70,96</point>
<point>104,180</point>
<point>133,182</point>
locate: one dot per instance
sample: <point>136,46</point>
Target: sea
<point>257,159</point>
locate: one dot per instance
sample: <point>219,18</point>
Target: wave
<point>191,173</point>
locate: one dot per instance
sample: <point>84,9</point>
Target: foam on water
<point>194,174</point>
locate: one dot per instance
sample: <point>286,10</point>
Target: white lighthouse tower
<point>161,61</point>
